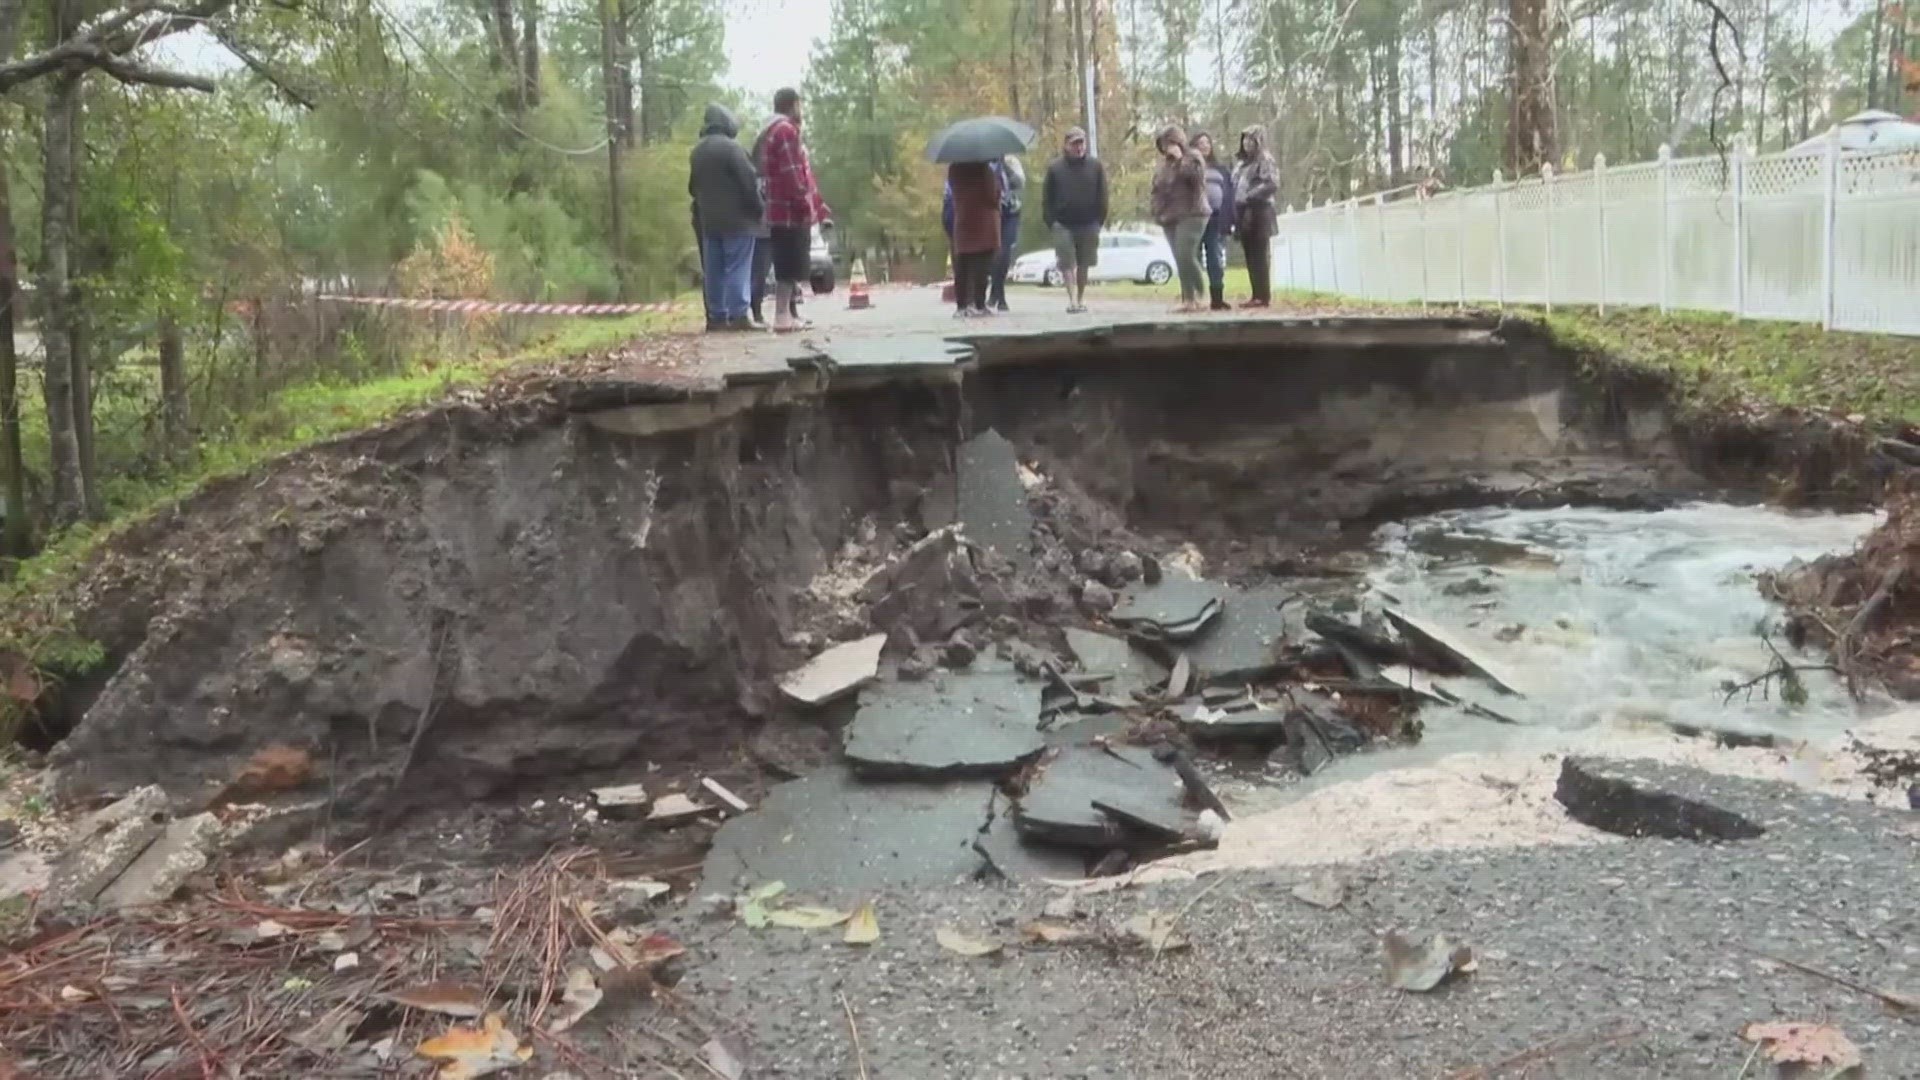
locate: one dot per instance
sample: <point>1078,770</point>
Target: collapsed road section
<point>609,578</point>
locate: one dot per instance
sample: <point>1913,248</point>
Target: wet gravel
<point>1627,959</point>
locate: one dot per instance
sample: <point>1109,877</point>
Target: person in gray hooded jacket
<point>1256,181</point>
<point>727,203</point>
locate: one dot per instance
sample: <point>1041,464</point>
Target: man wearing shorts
<point>793,206</point>
<point>1073,202</point>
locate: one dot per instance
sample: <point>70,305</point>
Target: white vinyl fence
<point>1825,236</point>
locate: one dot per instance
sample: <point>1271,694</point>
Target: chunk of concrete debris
<point>1245,641</point>
<point>1209,724</point>
<point>721,792</point>
<point>992,499</point>
<point>178,853</point>
<point>1453,645</point>
<point>835,673</point>
<point>1174,609</point>
<point>972,723</point>
<point>675,809</point>
<point>621,801</point>
<point>929,591</point>
<point>105,843</point>
<point>1627,799</point>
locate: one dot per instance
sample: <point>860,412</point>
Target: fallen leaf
<point>864,927</point>
<point>656,949</point>
<point>448,999</point>
<point>577,1000</point>
<point>331,1032</point>
<point>1049,932</point>
<point>1325,892</point>
<point>466,1052</point>
<point>1787,1043</point>
<point>668,809</point>
<point>805,917</point>
<point>74,994</point>
<point>753,910</point>
<point>649,888</point>
<point>267,930</point>
<point>956,942</point>
<point>346,961</point>
<point>297,982</point>
<point>1422,966</point>
<point>723,1060</point>
<point>1155,931</point>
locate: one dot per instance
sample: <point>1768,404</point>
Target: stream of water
<point>1615,621</point>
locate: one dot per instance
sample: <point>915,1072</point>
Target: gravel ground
<point>1618,960</point>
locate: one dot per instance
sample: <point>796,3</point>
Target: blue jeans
<point>1213,247</point>
<point>729,269</point>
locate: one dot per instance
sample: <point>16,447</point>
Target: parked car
<point>820,264</point>
<point>1140,257</point>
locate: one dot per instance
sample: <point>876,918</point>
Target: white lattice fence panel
<point>1634,249</point>
<point>1576,240</point>
<point>1400,230</point>
<point>1526,249</point>
<point>1876,271</point>
<point>1785,198</point>
<point>1479,227</point>
<point>1700,241</point>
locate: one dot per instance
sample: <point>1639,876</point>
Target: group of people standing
<point>754,213</point>
<point>1201,203</point>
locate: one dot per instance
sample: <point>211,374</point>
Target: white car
<point>1124,256</point>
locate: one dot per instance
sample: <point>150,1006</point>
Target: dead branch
<point>261,68</point>
<point>1787,674</point>
<point>1720,20</point>
<point>1846,650</point>
<point>104,43</point>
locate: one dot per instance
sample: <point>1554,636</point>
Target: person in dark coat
<point>1213,242</point>
<point>1256,182</point>
<point>1073,203</point>
<point>1179,200</point>
<point>727,202</point>
<point>976,233</point>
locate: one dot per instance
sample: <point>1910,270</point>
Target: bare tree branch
<point>141,75</point>
<point>259,67</point>
<point>113,37</point>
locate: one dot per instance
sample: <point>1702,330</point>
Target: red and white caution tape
<point>494,307</point>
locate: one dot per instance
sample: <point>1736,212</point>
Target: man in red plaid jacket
<point>794,205</point>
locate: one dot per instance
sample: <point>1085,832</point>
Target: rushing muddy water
<point>1619,622</point>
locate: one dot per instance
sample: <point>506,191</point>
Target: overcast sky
<point>768,42</point>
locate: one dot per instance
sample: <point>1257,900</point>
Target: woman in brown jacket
<point>1180,207</point>
<point>976,233</point>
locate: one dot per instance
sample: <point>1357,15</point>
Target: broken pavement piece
<point>1175,609</point>
<point>973,723</point>
<point>1104,654</point>
<point>1214,724</point>
<point>1420,966</point>
<point>1456,646</point>
<point>1625,799</point>
<point>991,497</point>
<point>1245,640</point>
<point>1058,807</point>
<point>105,843</point>
<point>178,853</point>
<point>721,792</point>
<point>836,672</point>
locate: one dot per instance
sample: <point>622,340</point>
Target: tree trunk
<point>175,420</point>
<point>1531,138</point>
<point>1875,59</point>
<point>616,212</point>
<point>506,49</point>
<point>622,61</point>
<point>57,324</point>
<point>1044,11</point>
<point>530,53</point>
<point>1013,61</point>
<point>16,537</point>
<point>1396,116</point>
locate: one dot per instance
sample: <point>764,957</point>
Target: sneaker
<point>1000,307</point>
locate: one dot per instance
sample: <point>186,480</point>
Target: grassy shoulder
<point>33,625</point>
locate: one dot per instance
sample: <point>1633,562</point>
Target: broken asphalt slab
<point>1104,654</point>
<point>1176,608</point>
<point>831,832</point>
<point>992,499</point>
<point>1456,645</point>
<point>1636,798</point>
<point>1058,807</point>
<point>971,723</point>
<point>836,672</point>
<point>1244,641</point>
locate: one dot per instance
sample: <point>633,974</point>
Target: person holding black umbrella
<point>976,233</point>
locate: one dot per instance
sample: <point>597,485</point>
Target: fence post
<point>1313,266</point>
<point>1350,211</point>
<point>1500,240</point>
<point>1426,290</point>
<point>1546,181</point>
<point>1666,228</point>
<point>1600,224</point>
<point>1828,227</point>
<point>1739,234</point>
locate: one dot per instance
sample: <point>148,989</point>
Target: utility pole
<point>1090,86</point>
<point>616,213</point>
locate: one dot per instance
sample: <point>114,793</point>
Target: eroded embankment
<point>478,597</point>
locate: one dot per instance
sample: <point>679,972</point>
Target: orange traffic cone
<point>857,298</point>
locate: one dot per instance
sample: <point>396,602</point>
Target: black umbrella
<point>984,138</point>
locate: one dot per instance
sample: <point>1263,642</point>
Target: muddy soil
<point>603,580</point>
